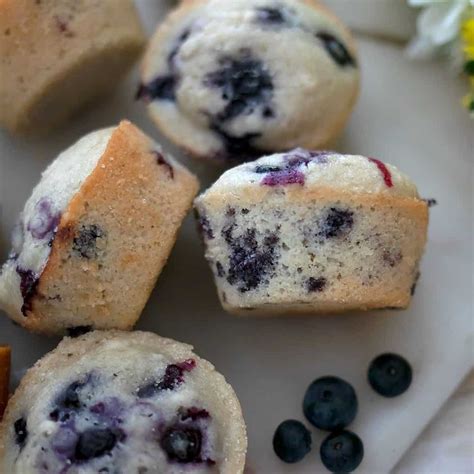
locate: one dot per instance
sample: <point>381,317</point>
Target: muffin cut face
<point>313,232</point>
<point>95,234</point>
<point>215,72</point>
<point>123,402</point>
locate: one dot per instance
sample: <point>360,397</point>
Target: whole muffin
<point>95,234</point>
<point>313,232</point>
<point>123,402</point>
<point>234,78</point>
<point>57,55</point>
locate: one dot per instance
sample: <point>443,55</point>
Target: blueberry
<point>291,441</point>
<point>316,284</point>
<point>21,432</point>
<point>179,43</point>
<point>430,202</point>
<point>29,281</point>
<point>342,452</point>
<point>182,444</point>
<point>284,177</point>
<point>204,226</point>
<point>336,49</point>
<point>163,88</point>
<point>270,16</point>
<point>84,243</point>
<point>330,403</point>
<point>194,414</point>
<point>68,402</point>
<point>240,147</point>
<point>172,378</point>
<point>263,169</point>
<point>249,261</point>
<point>77,331</point>
<point>44,221</point>
<point>390,375</point>
<point>337,223</point>
<point>95,442</point>
<point>245,84</point>
<point>220,270</point>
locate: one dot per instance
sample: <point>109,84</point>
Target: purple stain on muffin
<point>193,413</point>
<point>162,161</point>
<point>84,243</point>
<point>270,16</point>
<point>162,88</point>
<point>44,221</point>
<point>29,281</point>
<point>284,177</point>
<point>172,378</point>
<point>250,262</point>
<point>204,226</point>
<point>69,401</point>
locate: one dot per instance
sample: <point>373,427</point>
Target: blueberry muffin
<point>235,78</point>
<point>57,55</point>
<point>313,232</point>
<point>112,401</point>
<point>95,234</point>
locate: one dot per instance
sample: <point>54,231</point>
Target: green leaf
<point>469,67</point>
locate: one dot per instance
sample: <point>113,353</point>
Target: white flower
<point>438,27</point>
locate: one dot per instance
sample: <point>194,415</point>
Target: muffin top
<point>235,78</point>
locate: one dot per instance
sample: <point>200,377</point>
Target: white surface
<point>408,115</point>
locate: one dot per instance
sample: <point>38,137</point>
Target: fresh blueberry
<point>84,243</point>
<point>342,452</point>
<point>390,375</point>
<point>336,49</point>
<point>21,432</point>
<point>330,403</point>
<point>29,281</point>
<point>291,441</point>
<point>250,262</point>
<point>245,84</point>
<point>163,88</point>
<point>95,442</point>
<point>314,285</point>
<point>77,331</point>
<point>337,223</point>
<point>182,444</point>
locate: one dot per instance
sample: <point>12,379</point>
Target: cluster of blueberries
<point>330,404</point>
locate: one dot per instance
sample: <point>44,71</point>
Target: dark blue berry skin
<point>342,452</point>
<point>245,84</point>
<point>21,432</point>
<point>316,285</point>
<point>330,403</point>
<point>239,148</point>
<point>28,285</point>
<point>336,49</point>
<point>291,441</point>
<point>163,88</point>
<point>272,16</point>
<point>67,403</point>
<point>337,223</point>
<point>390,375</point>
<point>182,444</point>
<point>95,442</point>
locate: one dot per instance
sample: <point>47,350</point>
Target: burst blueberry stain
<point>220,270</point>
<point>161,160</point>
<point>204,226</point>
<point>163,88</point>
<point>337,223</point>
<point>21,432</point>
<point>270,16</point>
<point>336,49</point>
<point>283,178</point>
<point>44,221</point>
<point>84,243</point>
<point>250,263</point>
<point>29,281</point>
<point>94,443</point>
<point>193,414</point>
<point>172,378</point>
<point>316,285</point>
<point>245,84</point>
<point>182,444</point>
<point>68,402</point>
<point>175,50</point>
